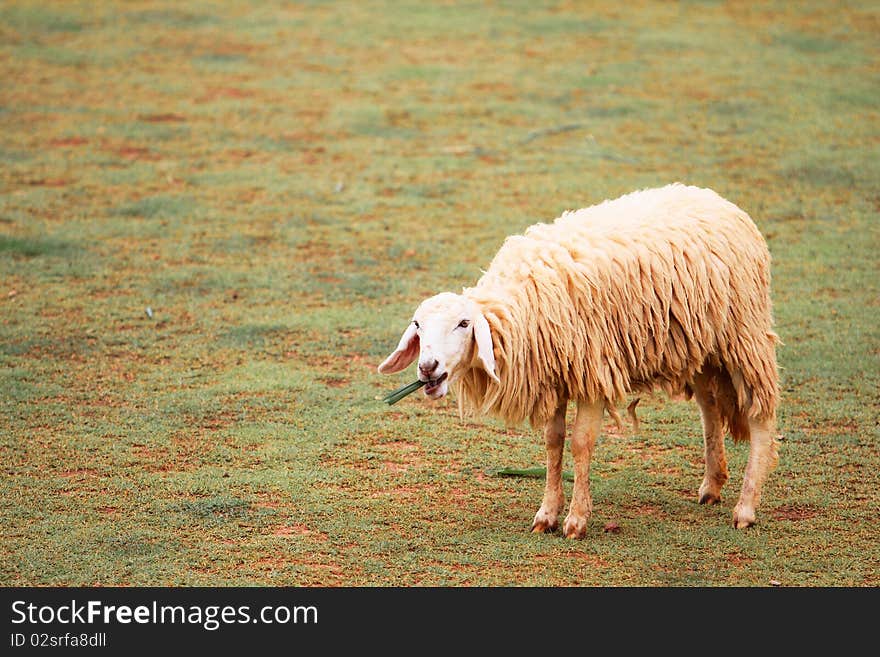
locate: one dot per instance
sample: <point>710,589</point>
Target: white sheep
<point>665,288</point>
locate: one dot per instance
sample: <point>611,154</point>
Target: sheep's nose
<point>428,368</point>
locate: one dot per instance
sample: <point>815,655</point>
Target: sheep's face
<point>449,334</point>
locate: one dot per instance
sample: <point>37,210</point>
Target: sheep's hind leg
<point>586,429</point>
<point>716,473</point>
<point>546,519</point>
<point>762,459</point>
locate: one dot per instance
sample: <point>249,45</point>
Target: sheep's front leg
<point>586,429</point>
<point>546,519</point>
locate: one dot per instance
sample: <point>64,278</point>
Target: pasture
<point>217,218</point>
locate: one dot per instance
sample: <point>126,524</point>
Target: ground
<point>216,219</point>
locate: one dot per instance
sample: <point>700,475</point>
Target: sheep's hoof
<point>544,523</point>
<point>544,527</point>
<point>743,517</point>
<point>574,527</point>
<point>710,493</point>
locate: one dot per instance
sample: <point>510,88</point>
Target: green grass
<point>281,184</point>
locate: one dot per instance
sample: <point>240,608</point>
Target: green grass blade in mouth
<point>396,395</point>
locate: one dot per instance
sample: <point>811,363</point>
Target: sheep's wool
<point>633,294</point>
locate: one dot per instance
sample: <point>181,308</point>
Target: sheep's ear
<point>405,353</point>
<point>483,336</point>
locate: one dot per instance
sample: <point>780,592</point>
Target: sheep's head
<point>449,334</point>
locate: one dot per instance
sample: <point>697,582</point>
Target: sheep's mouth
<point>433,385</point>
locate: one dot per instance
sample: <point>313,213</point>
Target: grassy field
<point>216,219</point>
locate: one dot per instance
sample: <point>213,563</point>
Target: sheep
<point>665,288</point>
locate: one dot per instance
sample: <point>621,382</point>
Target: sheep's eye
<point>464,323</point>
<point>416,323</point>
